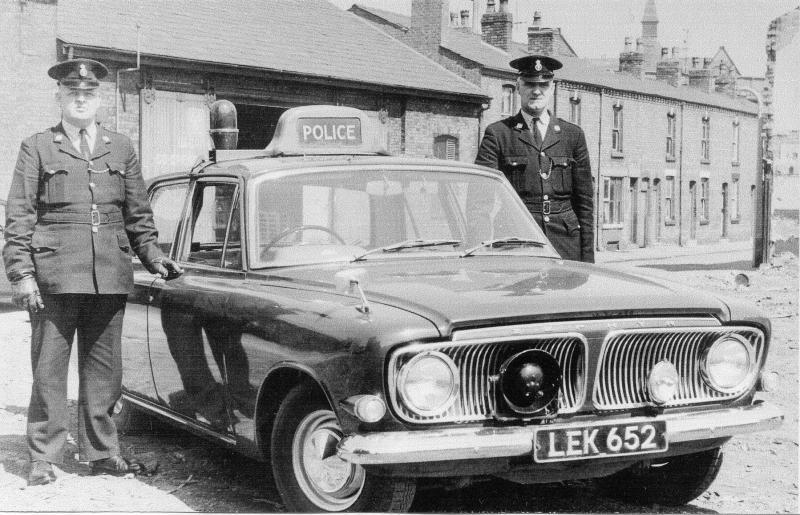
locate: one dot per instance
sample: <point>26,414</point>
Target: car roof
<point>249,167</point>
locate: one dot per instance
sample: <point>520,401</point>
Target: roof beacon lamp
<point>223,131</point>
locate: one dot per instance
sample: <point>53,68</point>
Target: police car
<point>360,321</point>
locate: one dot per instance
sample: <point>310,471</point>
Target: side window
<point>211,210</point>
<point>167,204</point>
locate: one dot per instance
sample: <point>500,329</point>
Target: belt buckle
<point>546,207</point>
<point>95,217</point>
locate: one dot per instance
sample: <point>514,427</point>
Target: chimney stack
<point>632,64</point>
<point>496,25</point>
<point>668,69</point>
<point>701,78</point>
<point>429,18</point>
<point>541,40</point>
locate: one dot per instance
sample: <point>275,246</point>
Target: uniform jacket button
<point>546,218</point>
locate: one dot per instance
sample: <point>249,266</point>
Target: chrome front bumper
<point>468,443</point>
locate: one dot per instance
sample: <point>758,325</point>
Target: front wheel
<point>309,474</point>
<point>673,481</point>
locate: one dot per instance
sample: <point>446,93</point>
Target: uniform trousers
<point>97,320</point>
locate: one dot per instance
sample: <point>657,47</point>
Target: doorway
<point>725,210</point>
<point>633,195</point>
<point>256,124</point>
<point>693,210</point>
<point>658,212</point>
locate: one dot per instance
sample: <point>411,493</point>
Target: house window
<point>671,136</point>
<point>616,129</point>
<point>507,101</point>
<point>575,108</point>
<point>612,200</point>
<point>704,199</point>
<point>706,140</point>
<point>734,201</point>
<point>669,200</point>
<point>735,143</point>
<point>445,147</point>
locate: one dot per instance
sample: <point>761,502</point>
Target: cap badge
<point>557,128</point>
<point>106,139</point>
<point>82,71</point>
<point>518,126</point>
<point>538,66</point>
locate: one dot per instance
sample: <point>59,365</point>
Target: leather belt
<point>547,207</point>
<point>94,217</point>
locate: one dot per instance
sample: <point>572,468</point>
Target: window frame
<point>509,93</point>
<point>607,192</point>
<point>187,232</point>
<point>734,201</point>
<point>705,140</point>
<point>445,139</point>
<point>176,238</point>
<point>671,136</point>
<point>617,130</point>
<point>735,143</point>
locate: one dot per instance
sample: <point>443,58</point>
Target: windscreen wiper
<point>503,242</point>
<point>408,244</point>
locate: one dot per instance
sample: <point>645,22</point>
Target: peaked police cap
<point>78,73</point>
<point>536,67</point>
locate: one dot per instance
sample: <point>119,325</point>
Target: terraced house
<point>674,150</point>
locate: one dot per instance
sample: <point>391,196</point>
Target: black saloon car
<point>360,321</point>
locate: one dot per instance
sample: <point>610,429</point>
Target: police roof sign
<point>327,130</point>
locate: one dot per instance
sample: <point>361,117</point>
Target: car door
<point>167,200</point>
<point>188,329</point>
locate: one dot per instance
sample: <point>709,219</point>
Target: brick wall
<point>428,19</point>
<point>27,37</point>
<point>644,167</point>
<point>426,119</point>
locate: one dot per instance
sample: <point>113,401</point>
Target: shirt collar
<point>73,133</point>
<point>544,118</point>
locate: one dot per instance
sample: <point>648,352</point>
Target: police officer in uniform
<point>76,209</point>
<point>546,160</point>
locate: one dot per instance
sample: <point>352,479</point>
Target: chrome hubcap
<point>328,481</point>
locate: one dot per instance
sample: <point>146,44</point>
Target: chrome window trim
<point>719,329</point>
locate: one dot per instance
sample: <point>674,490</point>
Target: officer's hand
<point>25,294</point>
<point>165,267</point>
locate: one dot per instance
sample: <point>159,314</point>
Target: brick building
<point>169,60</point>
<point>671,163</point>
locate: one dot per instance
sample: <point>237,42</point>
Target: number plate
<point>598,441</point>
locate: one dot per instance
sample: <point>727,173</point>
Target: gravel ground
<point>759,474</point>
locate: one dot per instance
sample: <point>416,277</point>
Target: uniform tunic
<point>561,202</point>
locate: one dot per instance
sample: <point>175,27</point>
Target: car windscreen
<point>338,215</point>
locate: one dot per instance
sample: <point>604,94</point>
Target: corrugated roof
<point>307,37</point>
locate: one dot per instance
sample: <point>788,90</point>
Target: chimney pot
<point>627,44</point>
<point>489,6</point>
<point>537,19</point>
<point>638,44</point>
<point>664,52</point>
<point>695,60</point>
<point>706,62</point>
<point>465,18</point>
<point>674,52</point>
<point>503,6</point>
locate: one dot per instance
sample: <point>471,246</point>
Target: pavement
<point>720,252</point>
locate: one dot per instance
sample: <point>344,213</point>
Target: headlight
<point>728,365</point>
<point>428,383</point>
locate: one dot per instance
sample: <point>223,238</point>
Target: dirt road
<point>759,474</point>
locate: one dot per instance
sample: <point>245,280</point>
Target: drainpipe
<point>117,93</point>
<point>598,184</point>
<point>680,182</point>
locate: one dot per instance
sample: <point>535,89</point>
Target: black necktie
<point>537,137</point>
<point>87,153</point>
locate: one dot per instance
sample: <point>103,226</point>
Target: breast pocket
<point>514,167</point>
<point>55,178</point>
<point>113,179</point>
<point>562,175</point>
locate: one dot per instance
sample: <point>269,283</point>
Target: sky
<point>597,29</point>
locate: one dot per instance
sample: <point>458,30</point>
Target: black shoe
<point>115,466</point>
<point>41,473</point>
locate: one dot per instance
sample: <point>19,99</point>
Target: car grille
<point>628,355</point>
<point>478,361</point>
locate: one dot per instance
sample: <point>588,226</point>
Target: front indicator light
<point>728,364</point>
<point>428,383</point>
<point>663,382</point>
